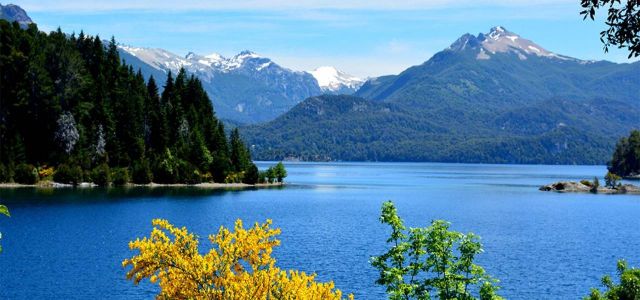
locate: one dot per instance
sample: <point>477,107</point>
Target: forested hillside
<point>556,131</point>
<point>70,103</point>
<point>491,98</point>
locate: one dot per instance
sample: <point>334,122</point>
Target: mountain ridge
<point>516,105</point>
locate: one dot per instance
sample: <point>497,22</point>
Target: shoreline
<point>579,187</point>
<point>82,185</point>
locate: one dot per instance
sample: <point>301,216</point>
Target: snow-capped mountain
<point>500,40</point>
<point>333,81</point>
<point>246,87</point>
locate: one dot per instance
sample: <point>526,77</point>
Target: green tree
<point>280,172</point>
<point>252,175</point>
<point>240,158</point>
<point>270,174</point>
<point>625,160</point>
<point>595,185</point>
<point>431,262</point>
<point>612,180</point>
<point>623,19</point>
<point>627,289</point>
<point>5,211</point>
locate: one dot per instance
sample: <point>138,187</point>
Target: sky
<point>365,38</point>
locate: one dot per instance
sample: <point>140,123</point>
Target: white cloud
<point>172,5</point>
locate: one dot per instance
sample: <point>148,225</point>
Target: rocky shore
<point>579,187</point>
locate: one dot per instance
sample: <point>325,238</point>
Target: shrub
<point>432,261</point>
<point>239,265</point>
<point>234,177</point>
<point>165,169</point>
<point>46,172</point>
<point>187,173</point>
<point>101,175</point>
<point>596,185</point>
<point>586,182</point>
<point>280,172</point>
<point>612,180</point>
<point>251,177</point>
<point>141,173</point>
<point>120,176</point>
<point>262,176</point>
<point>26,174</point>
<point>5,175</point>
<point>628,288</point>
<point>68,174</point>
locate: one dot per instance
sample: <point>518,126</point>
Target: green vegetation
<point>626,157</point>
<point>612,180</point>
<point>595,185</point>
<point>68,101</point>
<point>627,289</point>
<point>623,21</point>
<point>349,128</point>
<point>432,262</point>
<point>4,211</point>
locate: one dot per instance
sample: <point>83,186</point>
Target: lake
<point>69,244</point>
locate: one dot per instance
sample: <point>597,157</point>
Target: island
<point>584,187</point>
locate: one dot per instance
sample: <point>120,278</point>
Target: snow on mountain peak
<point>501,40</point>
<point>333,80</point>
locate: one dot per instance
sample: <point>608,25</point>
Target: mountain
<point>333,81</point>
<point>493,98</point>
<point>14,13</point>
<point>245,88</point>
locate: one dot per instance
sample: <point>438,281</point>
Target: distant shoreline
<point>204,185</point>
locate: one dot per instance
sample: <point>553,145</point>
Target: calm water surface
<point>68,244</point>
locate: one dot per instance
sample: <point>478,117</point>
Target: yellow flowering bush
<point>46,172</point>
<point>238,266</point>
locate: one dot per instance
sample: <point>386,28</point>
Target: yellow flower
<point>238,266</point>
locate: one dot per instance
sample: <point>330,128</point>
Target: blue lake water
<point>69,244</point>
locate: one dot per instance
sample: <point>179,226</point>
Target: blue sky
<point>363,38</point>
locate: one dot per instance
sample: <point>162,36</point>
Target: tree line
<point>71,110</point>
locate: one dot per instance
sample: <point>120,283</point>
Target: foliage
<point>280,172</point>
<point>68,174</point>
<point>238,266</point>
<point>627,289</point>
<point>431,262</point>
<point>271,175</point>
<point>612,180</point>
<point>586,182</point>
<point>101,175</point>
<point>44,172</point>
<point>251,176</point>
<point>595,185</point>
<point>141,173</point>
<point>4,211</point>
<point>234,177</point>
<point>5,174</point>
<point>625,160</point>
<point>346,128</point>
<point>70,98</point>
<point>623,20</point>
<point>26,174</point>
<point>120,176</point>
<point>262,176</point>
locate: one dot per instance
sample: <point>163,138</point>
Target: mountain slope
<point>556,131</point>
<point>246,88</point>
<point>495,97</point>
<point>501,68</point>
<point>14,13</point>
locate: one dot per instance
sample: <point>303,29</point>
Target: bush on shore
<point>26,174</point>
